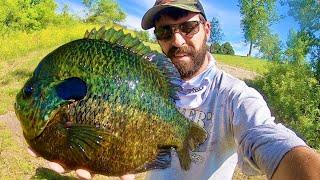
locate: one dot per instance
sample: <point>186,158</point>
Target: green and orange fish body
<point>98,103</point>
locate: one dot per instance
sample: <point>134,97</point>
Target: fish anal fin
<point>162,161</point>
<point>197,135</point>
<point>184,157</point>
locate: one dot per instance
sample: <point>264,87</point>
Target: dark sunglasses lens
<point>190,27</point>
<point>163,32</point>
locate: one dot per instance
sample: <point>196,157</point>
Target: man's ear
<point>207,27</point>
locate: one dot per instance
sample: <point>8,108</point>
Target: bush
<point>27,15</point>
<point>293,93</point>
<point>215,48</point>
<point>225,48</point>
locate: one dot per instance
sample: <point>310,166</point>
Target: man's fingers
<point>127,177</point>
<point>56,167</point>
<point>83,174</point>
<point>32,153</point>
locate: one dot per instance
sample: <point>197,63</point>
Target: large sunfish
<point>98,103</point>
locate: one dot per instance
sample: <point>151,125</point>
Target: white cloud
<point>134,22</point>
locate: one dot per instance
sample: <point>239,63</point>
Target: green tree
<point>103,11</point>
<point>315,61</point>
<point>257,16</point>
<point>307,14</point>
<point>226,48</point>
<point>270,47</point>
<point>298,46</point>
<point>27,15</point>
<point>215,48</point>
<point>216,34</point>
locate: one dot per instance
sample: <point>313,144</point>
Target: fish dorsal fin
<point>119,37</point>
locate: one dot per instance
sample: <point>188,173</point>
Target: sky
<point>227,12</point>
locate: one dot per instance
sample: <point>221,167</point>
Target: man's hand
<point>299,163</point>
<point>81,173</point>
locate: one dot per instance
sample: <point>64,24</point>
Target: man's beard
<point>188,69</point>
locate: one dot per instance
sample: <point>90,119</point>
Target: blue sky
<point>227,13</point>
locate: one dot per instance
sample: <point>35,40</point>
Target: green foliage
<point>26,15</point>
<point>315,61</point>
<point>104,11</point>
<point>216,33</point>
<point>294,96</point>
<point>215,48</point>
<point>299,44</point>
<point>226,48</point>
<point>257,16</point>
<point>307,14</point>
<point>143,35</point>
<point>270,47</point>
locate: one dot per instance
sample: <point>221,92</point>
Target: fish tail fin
<point>196,136</point>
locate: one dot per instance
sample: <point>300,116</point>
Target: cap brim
<point>147,20</point>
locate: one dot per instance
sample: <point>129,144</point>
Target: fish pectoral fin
<point>196,136</point>
<point>85,139</point>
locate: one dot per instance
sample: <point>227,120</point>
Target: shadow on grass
<point>45,173</point>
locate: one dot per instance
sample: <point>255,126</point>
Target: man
<point>240,127</point>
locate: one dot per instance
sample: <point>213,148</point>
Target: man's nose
<point>177,39</point>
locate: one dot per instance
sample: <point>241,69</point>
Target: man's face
<point>187,53</point>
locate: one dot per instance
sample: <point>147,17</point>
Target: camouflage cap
<point>189,5</point>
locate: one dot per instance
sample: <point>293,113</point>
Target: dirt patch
<point>238,72</point>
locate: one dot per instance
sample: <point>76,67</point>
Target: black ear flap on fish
<point>197,135</point>
<point>72,88</point>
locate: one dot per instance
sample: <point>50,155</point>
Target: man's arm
<point>299,163</point>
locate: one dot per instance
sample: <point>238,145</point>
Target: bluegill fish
<point>98,103</point>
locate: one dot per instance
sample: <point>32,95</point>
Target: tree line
<point>33,15</point>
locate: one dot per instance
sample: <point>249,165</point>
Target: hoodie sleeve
<point>261,142</point>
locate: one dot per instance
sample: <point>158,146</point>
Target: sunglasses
<point>187,29</point>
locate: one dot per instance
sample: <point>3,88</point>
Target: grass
<point>249,63</point>
<point>14,163</point>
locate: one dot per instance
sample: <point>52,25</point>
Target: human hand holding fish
<point>81,173</point>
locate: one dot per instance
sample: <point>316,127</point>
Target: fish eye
<point>27,91</point>
<point>72,88</point>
